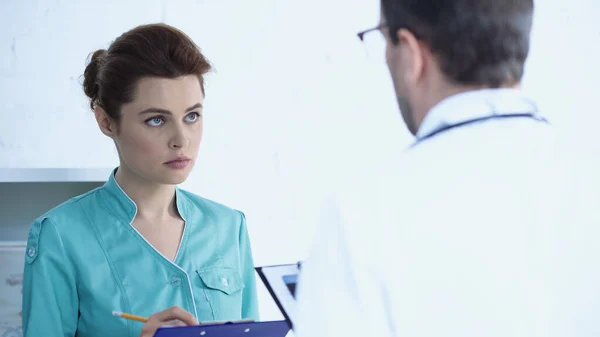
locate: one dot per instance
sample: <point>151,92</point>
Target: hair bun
<point>91,83</point>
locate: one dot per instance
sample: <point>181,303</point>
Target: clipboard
<point>280,281</point>
<point>230,329</point>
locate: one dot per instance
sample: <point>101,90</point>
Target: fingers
<point>174,323</point>
<point>174,313</point>
<point>173,316</point>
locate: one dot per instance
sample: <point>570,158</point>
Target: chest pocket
<point>222,287</point>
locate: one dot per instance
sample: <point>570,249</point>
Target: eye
<point>155,121</point>
<point>192,117</point>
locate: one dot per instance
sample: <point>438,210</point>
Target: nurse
<point>139,244</point>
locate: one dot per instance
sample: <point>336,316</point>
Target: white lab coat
<point>468,233</point>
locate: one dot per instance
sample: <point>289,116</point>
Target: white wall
<point>292,105</point>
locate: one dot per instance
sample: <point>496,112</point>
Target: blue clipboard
<point>252,329</point>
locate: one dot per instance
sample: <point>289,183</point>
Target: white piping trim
<point>180,242</point>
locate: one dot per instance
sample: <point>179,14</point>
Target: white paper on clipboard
<point>281,281</point>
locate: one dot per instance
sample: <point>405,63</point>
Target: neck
<point>443,91</point>
<point>154,201</point>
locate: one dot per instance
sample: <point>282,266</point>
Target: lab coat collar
<point>124,207</point>
<point>475,104</point>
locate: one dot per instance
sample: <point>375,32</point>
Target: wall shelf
<point>32,175</point>
<point>26,193</point>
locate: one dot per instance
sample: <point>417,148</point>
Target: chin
<point>172,177</point>
<point>172,181</point>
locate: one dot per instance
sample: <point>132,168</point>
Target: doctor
<point>461,235</point>
<point>140,244</point>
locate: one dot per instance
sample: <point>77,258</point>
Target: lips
<point>178,159</point>
<point>178,163</point>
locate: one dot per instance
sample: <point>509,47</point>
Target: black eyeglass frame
<point>361,35</point>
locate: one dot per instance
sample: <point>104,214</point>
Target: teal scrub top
<point>84,260</point>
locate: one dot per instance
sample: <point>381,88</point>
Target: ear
<point>413,56</point>
<point>106,124</point>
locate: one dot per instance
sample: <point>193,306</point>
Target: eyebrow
<point>167,112</point>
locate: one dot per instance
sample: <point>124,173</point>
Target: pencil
<point>130,316</point>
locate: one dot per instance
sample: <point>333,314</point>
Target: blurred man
<point>466,233</point>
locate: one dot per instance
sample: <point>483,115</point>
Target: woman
<point>139,244</point>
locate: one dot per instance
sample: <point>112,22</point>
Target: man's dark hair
<point>477,42</point>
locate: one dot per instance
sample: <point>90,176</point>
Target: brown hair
<point>153,50</point>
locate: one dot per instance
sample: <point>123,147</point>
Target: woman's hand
<point>174,316</point>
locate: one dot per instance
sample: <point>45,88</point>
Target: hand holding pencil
<point>173,316</point>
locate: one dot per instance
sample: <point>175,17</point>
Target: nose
<point>179,139</point>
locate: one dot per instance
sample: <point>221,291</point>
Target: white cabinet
<point>25,194</point>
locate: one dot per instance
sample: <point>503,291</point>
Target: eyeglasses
<point>361,35</point>
<point>374,43</point>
